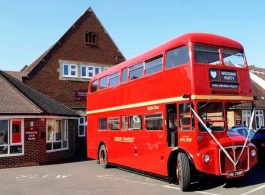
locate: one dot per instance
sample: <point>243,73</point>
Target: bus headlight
<point>206,158</point>
<point>253,153</point>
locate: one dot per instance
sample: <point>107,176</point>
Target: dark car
<point>243,130</point>
<point>259,141</point>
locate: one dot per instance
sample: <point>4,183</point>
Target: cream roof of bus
<point>208,38</point>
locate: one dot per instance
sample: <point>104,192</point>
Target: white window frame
<point>84,124</point>
<point>93,71</point>
<point>246,116</point>
<point>70,69</point>
<point>64,135</point>
<point>10,141</point>
<point>260,115</point>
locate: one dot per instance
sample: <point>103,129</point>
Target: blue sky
<point>29,27</point>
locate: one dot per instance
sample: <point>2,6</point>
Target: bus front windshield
<point>212,114</point>
<point>211,55</point>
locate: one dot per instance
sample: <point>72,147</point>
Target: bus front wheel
<point>183,172</point>
<point>103,156</point>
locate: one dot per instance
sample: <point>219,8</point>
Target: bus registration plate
<point>233,174</point>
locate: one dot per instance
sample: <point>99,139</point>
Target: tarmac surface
<point>84,176</point>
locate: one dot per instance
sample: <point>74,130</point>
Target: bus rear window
<point>233,57</point>
<point>206,54</point>
<point>178,56</point>
<point>94,86</point>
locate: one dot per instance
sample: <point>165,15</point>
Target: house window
<point>246,116</point>
<point>259,118</point>
<point>56,135</point>
<point>82,126</point>
<point>69,70</point>
<point>91,38</point>
<point>89,71</point>
<point>11,143</point>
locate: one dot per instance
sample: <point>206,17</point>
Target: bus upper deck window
<point>136,71</point>
<point>94,86</point>
<point>206,54</point>
<point>103,82</point>
<point>176,57</point>
<point>233,57</point>
<point>124,75</point>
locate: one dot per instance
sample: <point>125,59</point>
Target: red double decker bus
<point>165,111</point>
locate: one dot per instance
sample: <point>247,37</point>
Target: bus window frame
<point>99,84</point>
<point>96,80</point>
<point>126,123</point>
<point>161,117</point>
<point>191,126</point>
<point>172,49</point>
<point>129,122</point>
<point>137,66</point>
<point>153,59</point>
<point>99,124</point>
<point>127,75</point>
<point>113,76</point>
<point>113,119</point>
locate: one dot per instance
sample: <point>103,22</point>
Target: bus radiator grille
<point>234,151</point>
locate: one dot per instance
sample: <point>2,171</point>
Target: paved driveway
<point>87,177</point>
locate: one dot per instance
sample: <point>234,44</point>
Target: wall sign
<point>31,133</point>
<point>81,95</point>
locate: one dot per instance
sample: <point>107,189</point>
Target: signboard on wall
<point>81,95</point>
<point>238,121</point>
<point>31,133</point>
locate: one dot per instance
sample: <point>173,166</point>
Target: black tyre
<point>103,156</point>
<point>183,172</point>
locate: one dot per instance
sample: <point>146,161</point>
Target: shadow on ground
<point>213,182</point>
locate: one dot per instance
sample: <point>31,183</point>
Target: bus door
<point>171,120</point>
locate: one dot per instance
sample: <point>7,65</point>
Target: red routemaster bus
<point>165,111</point>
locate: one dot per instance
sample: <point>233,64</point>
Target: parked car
<point>243,130</point>
<point>259,141</point>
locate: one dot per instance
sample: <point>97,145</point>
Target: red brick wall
<point>35,151</point>
<point>45,77</point>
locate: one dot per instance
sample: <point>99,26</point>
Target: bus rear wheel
<point>183,172</point>
<point>103,156</point>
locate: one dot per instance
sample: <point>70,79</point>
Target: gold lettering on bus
<point>124,139</point>
<point>155,107</point>
<point>185,139</point>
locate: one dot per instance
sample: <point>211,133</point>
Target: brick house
<point>63,71</point>
<point>241,114</point>
<point>34,129</point>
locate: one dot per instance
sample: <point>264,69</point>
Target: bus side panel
<point>92,142</point>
